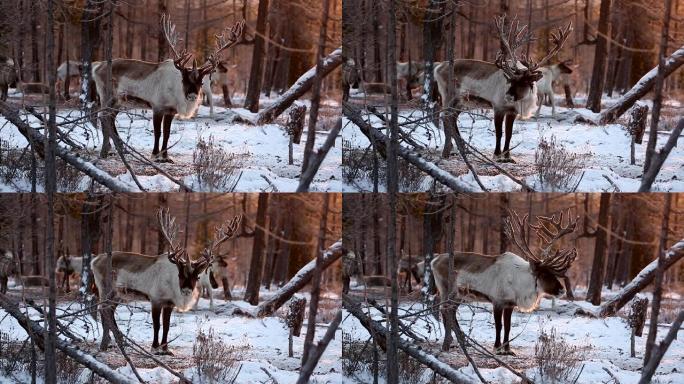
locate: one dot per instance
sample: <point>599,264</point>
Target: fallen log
<point>11,113</point>
<point>298,89</point>
<point>644,278</point>
<point>299,280</point>
<point>381,333</point>
<point>353,113</point>
<point>36,332</point>
<point>641,88</point>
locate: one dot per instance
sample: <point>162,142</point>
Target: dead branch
<point>641,88</point>
<point>299,88</point>
<point>380,333</point>
<point>315,163</point>
<point>315,355</point>
<point>298,282</point>
<point>644,278</point>
<point>660,157</point>
<point>11,113</point>
<point>660,350</point>
<point>353,113</point>
<point>36,332</point>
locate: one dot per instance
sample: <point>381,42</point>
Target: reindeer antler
<point>511,40</point>
<point>226,39</point>
<point>558,38</point>
<point>515,229</point>
<point>550,230</point>
<point>172,38</point>
<point>225,231</point>
<point>169,229</point>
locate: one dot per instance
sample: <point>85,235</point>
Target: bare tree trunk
<point>50,189</point>
<point>257,262</point>
<point>599,72</point>
<point>255,75</point>
<point>658,283</point>
<point>643,279</point>
<point>316,91</point>
<point>658,91</point>
<point>316,280</point>
<point>392,190</point>
<point>599,265</point>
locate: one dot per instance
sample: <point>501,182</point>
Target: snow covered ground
<point>605,343</point>
<point>606,149</point>
<point>263,342</point>
<point>261,152</point>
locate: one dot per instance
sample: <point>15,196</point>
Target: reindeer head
<point>565,67</point>
<point>550,264</point>
<point>190,270</point>
<point>192,77</point>
<point>522,73</point>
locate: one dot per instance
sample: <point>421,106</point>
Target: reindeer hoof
<point>505,160</point>
<point>502,351</point>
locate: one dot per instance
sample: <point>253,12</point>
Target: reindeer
<point>410,266</point>
<point>169,87</point>
<point>350,77</point>
<point>73,68</point>
<point>7,76</point>
<point>550,74</point>
<point>68,265</point>
<point>500,85</point>
<point>208,283</point>
<point>169,280</point>
<point>508,280</point>
<point>8,267</point>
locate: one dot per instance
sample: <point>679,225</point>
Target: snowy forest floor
<point>603,151</point>
<point>593,343</point>
<point>258,345</point>
<point>258,154</point>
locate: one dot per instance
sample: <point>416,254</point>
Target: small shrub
<point>215,362</point>
<point>558,170</point>
<point>556,360</point>
<point>68,370</point>
<point>68,177</point>
<point>357,165</point>
<point>357,359</point>
<point>14,162</point>
<point>215,169</point>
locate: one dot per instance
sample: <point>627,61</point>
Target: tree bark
<point>255,75</point>
<point>257,262</point>
<point>599,73</point>
<point>599,265</point>
<point>316,91</point>
<point>658,91</point>
<point>658,284</point>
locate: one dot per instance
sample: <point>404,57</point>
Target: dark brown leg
<point>156,122</point>
<point>167,132</point>
<point>510,118</point>
<point>507,312</point>
<point>448,315</point>
<point>68,286</point>
<point>498,122</point>
<point>3,285</point>
<point>156,313</point>
<point>166,318</point>
<point>498,312</point>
